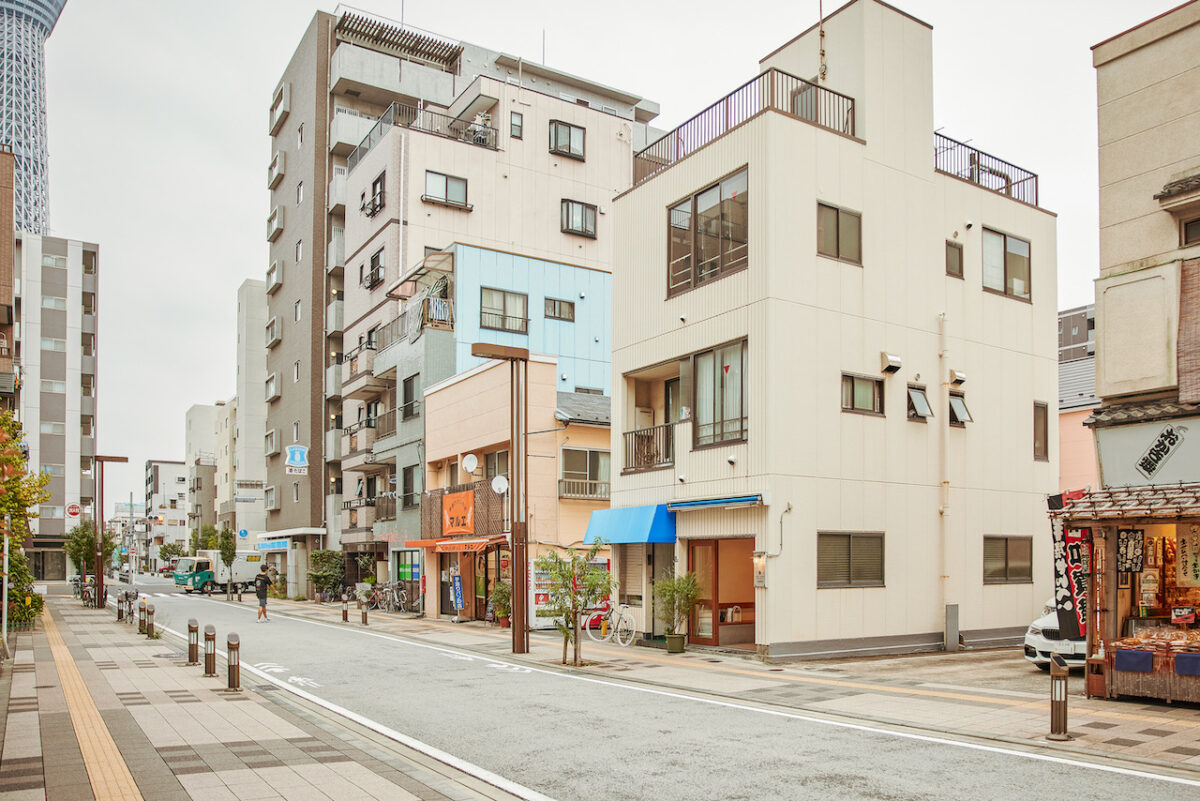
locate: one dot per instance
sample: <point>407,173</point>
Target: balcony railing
<point>650,447</point>
<point>385,508</point>
<point>582,488</point>
<point>503,322</point>
<point>430,122</point>
<point>963,161</point>
<point>354,428</point>
<point>358,503</point>
<point>773,89</point>
<point>385,424</point>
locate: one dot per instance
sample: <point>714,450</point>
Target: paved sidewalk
<point>92,711</point>
<point>1140,731</point>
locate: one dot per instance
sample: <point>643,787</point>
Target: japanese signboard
<point>296,460</point>
<point>458,513</point>
<point>1187,559</point>
<point>1141,454</point>
<point>456,581</point>
<point>1072,564</point>
<point>1131,543</point>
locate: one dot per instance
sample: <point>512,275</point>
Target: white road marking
<point>925,738</point>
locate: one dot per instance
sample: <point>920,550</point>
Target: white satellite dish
<point>470,462</point>
<point>500,485</point>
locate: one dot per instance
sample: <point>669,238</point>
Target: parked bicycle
<point>608,623</point>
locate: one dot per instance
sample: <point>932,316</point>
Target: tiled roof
<point>582,407</point>
<point>1182,186</point>
<point>1141,412</point>
<point>1077,384</point>
<point>1158,502</point>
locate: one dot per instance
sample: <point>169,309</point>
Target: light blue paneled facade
<point>583,347</point>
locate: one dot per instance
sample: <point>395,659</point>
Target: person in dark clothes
<point>261,582</point>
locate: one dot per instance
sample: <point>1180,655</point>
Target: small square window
<point>954,259</point>
<point>1191,232</point>
<point>578,218</point>
<point>839,233</point>
<point>560,310</point>
<point>445,189</point>
<point>516,125</point>
<point>567,140</point>
<point>1007,560</point>
<point>960,415</point>
<point>918,404</point>
<point>861,394</point>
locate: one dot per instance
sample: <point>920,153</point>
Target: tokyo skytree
<point>24,27</point>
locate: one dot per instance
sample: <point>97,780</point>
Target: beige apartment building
<point>834,360</point>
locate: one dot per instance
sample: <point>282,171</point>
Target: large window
<point>578,218</point>
<point>567,139</point>
<point>1007,560</point>
<point>410,406</point>
<point>560,310</point>
<point>1005,264</point>
<point>708,233</point>
<point>1041,420</point>
<point>585,474</point>
<point>860,394</point>
<point>503,311</point>
<point>849,560</point>
<point>720,375</point>
<point>839,233</point>
<point>445,189</point>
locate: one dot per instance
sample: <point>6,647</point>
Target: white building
<point>834,360</point>
<point>200,456</point>
<point>166,509</point>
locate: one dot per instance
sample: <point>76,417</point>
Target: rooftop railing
<point>963,161</point>
<point>773,89</point>
<point>430,122</point>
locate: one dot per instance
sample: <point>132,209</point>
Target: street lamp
<point>518,359</point>
<point>99,517</point>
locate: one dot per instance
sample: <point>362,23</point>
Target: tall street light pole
<point>518,359</point>
<point>99,517</point>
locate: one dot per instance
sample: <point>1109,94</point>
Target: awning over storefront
<point>469,545</point>
<point>715,503</point>
<point>631,525</point>
<point>1165,503</point>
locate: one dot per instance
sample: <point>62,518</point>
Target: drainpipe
<point>950,626</point>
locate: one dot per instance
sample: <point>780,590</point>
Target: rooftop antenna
<point>543,46</point>
<point>821,25</point>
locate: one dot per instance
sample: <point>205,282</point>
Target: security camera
<point>683,318</point>
<point>732,460</point>
<point>970,225</point>
<point>682,479</point>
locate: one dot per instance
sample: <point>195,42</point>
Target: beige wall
<point>1077,452</point>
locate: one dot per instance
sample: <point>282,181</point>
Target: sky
<point>159,148</point>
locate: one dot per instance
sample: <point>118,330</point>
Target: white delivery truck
<point>205,572</point>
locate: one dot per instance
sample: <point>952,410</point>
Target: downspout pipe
<point>950,630</point>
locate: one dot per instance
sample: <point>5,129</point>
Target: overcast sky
<point>159,149</point>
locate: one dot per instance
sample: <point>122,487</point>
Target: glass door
<point>702,560</point>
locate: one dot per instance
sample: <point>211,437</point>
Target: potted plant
<point>674,597</point>
<point>502,602</point>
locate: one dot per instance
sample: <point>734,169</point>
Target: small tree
<point>210,538</point>
<point>366,567</point>
<point>80,546</point>
<point>193,542</point>
<point>674,597</point>
<point>171,550</point>
<point>326,569</point>
<point>228,547</point>
<point>575,586</point>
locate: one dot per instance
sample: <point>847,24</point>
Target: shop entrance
<point>446,561</point>
<point>724,614</point>
<point>50,565</point>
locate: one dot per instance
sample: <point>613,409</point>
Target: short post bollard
<point>150,622</point>
<point>193,642</point>
<point>345,608</point>
<point>363,606</point>
<point>210,651</point>
<point>239,589</point>
<point>142,616</point>
<point>1059,672</point>
<point>233,646</point>
<point>121,607</point>
<point>129,609</point>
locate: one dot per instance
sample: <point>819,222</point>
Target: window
<point>918,404</point>
<point>503,311</point>
<point>297,311</point>
<point>1191,232</point>
<point>50,512</point>
<point>960,415</point>
<point>58,304</point>
<point>295,431</point>
<point>1041,421</point>
<point>860,394</point>
<point>269,498</point>
<point>54,386</point>
<point>295,492</point>
<point>174,504</point>
<point>720,376</point>
<point>708,234</point>
<point>54,344</point>
<point>445,189</point>
<point>373,205</point>
<point>495,464</point>
<point>371,277</point>
<point>53,428</point>
<point>408,487</point>
<point>410,406</point>
<point>849,560</point>
<point>585,474</point>
<point>566,139</point>
<point>299,250</point>
<point>560,310</point>
<point>839,233</point>
<point>516,125</point>
<point>53,470</point>
<point>954,259</point>
<point>299,193</point>
<point>578,218</point>
<point>1005,264</point>
<point>1007,560</point>
<point>295,371</point>
<point>59,262</point>
<point>589,391</point>
<point>300,135</point>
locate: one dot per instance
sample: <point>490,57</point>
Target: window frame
<point>524,331</point>
<point>744,427</point>
<point>409,405</point>
<point>880,389</point>
<point>296,372</point>
<point>555,140</point>
<point>840,211</point>
<point>1008,577</point>
<point>914,413</point>
<point>1028,296</point>
<point>1044,454</point>
<point>958,248</point>
<point>1183,232</point>
<point>725,267</point>
<point>588,209</point>
<point>554,308</point>
<point>445,200</point>
<point>952,416</point>
<point>850,582</point>
<point>409,496</point>
<point>516,125</point>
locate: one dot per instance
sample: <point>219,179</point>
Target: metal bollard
<point>193,642</point>
<point>129,609</point>
<point>150,621</point>
<point>233,646</point>
<point>1059,672</point>
<point>345,608</point>
<point>363,606</point>
<point>121,607</point>
<point>210,651</point>
<point>142,616</point>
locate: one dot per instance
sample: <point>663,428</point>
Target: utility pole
<point>4,625</point>
<point>100,460</point>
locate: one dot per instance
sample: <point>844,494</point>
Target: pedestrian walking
<point>261,582</point>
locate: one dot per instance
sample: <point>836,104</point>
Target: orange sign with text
<point>458,513</point>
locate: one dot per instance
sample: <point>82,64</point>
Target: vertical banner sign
<point>458,593</point>
<point>1131,544</point>
<point>1072,560</point>
<point>1187,559</point>
<point>458,513</point>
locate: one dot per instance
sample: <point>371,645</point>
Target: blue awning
<point>716,503</point>
<point>630,525</point>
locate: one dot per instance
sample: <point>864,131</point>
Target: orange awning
<point>468,545</point>
<point>421,543</point>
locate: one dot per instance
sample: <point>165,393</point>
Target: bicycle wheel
<point>624,630</point>
<point>593,624</point>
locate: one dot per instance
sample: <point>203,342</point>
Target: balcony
<point>373,278</point>
<point>271,443</point>
<point>348,128</point>
<point>475,131</point>
<point>334,319</point>
<point>491,510</point>
<point>87,404</point>
<point>773,90</point>
<point>358,516</point>
<point>952,157</point>
<point>281,104</point>
<point>333,381</point>
<point>650,448</point>
<point>357,443</point>
<point>358,379</point>
<point>88,323</point>
<point>275,224</point>
<point>333,517</point>
<point>582,489</point>
<point>272,332</point>
<point>335,254</point>
<point>275,170</point>
<point>87,364</point>
<point>337,192</point>
<point>274,276</point>
<point>385,509</point>
<point>272,388</point>
<point>385,424</point>
<point>333,445</point>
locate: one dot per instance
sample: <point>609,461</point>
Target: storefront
<point>724,570</point>
<point>1127,576</point>
<point>643,548</point>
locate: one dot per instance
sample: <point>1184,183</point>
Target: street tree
<point>80,546</point>
<point>327,569</point>
<point>210,538</point>
<point>228,548</point>
<point>20,490</point>
<point>575,585</point>
<point>169,551</point>
<point>193,542</point>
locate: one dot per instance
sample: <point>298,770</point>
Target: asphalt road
<point>574,737</point>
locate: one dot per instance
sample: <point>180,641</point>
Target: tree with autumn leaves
<point>20,493</point>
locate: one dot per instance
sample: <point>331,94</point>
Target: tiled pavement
<point>181,736</point>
